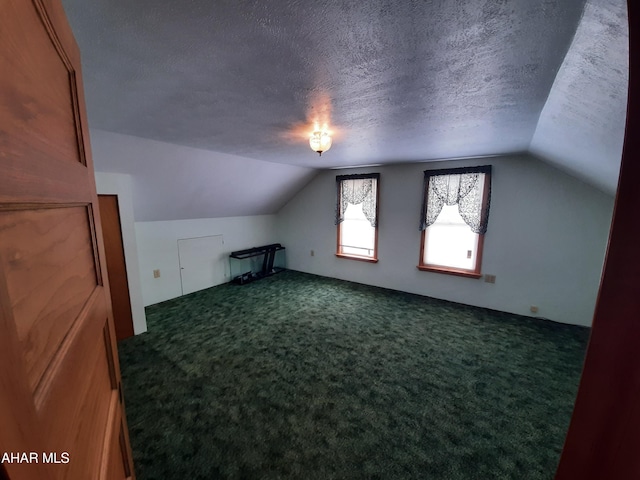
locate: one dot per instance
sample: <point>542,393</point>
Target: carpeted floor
<point>304,377</point>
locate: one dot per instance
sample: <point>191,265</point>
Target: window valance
<point>355,190</point>
<point>457,186</point>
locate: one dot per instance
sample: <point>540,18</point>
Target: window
<point>357,216</point>
<point>455,213</point>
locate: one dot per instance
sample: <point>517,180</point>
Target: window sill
<point>449,271</point>
<point>355,257</point>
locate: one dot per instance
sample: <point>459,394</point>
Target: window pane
<point>357,236</point>
<point>449,240</point>
<point>450,244</point>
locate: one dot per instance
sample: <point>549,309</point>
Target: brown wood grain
<point>43,122</point>
<point>49,269</point>
<point>59,371</point>
<point>116,266</point>
<point>116,468</point>
<point>39,112</point>
<point>79,422</point>
<point>356,257</point>
<point>19,428</point>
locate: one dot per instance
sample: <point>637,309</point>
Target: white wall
<point>158,247</point>
<point>120,185</point>
<point>545,244</point>
<point>174,182</point>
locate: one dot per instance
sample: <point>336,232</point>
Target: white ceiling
<point>581,128</point>
<point>396,80</point>
<point>172,182</point>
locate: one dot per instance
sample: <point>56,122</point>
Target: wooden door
<point>60,394</point>
<point>116,266</point>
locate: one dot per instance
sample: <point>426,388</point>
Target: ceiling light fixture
<point>320,141</point>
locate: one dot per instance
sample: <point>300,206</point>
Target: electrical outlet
<point>156,274</point>
<point>313,253</point>
<point>534,309</point>
<point>469,253</point>
<point>490,278</point>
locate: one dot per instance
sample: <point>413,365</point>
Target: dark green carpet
<point>299,376</point>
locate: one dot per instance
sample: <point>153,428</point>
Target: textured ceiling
<point>394,80</point>
<point>398,80</point>
<point>581,128</point>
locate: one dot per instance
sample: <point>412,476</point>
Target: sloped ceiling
<point>395,80</point>
<point>581,128</point>
<point>173,182</point>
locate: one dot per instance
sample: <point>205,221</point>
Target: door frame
<point>119,184</point>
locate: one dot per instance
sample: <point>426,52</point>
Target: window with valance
<point>454,219</point>
<point>357,216</point>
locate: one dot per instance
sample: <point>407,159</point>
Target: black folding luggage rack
<point>269,252</point>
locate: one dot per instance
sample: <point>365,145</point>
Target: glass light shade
<point>320,142</point>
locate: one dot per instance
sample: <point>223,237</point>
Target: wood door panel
<point>18,422</point>
<point>42,134</point>
<point>89,425</point>
<point>73,373</point>
<point>49,263</point>
<point>70,184</point>
<point>76,407</point>
<point>59,372</point>
<point>38,114</point>
<point>116,465</point>
<point>76,416</point>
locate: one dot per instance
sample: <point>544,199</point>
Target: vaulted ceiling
<point>395,80</point>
